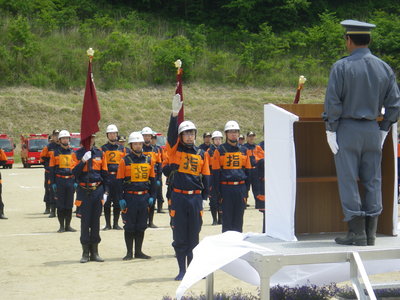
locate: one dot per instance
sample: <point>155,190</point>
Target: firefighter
<point>230,168</point>
<point>188,172</point>
<point>150,150</point>
<point>114,152</point>
<point>255,153</point>
<point>241,139</point>
<point>90,171</point>
<point>215,203</point>
<point>206,141</point>
<point>62,181</point>
<point>49,197</point>
<point>161,154</point>
<point>260,191</point>
<point>3,161</point>
<point>137,189</point>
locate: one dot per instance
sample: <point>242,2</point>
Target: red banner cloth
<point>179,91</point>
<point>90,111</point>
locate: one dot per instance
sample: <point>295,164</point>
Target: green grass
<point>34,110</point>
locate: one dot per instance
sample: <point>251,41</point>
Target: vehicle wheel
<point>10,166</point>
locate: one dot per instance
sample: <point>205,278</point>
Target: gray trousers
<point>359,157</point>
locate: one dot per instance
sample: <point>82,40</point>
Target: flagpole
<point>300,85</point>
<point>179,90</point>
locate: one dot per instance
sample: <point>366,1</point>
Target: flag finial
<point>90,53</point>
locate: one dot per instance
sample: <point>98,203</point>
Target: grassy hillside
<point>33,110</point>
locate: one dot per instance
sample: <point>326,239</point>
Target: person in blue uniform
<point>260,189</point>
<point>189,186</point>
<point>160,153</point>
<point>206,141</point>
<point>62,180</point>
<point>137,189</point>
<point>359,86</point>
<point>230,169</point>
<point>90,171</point>
<point>114,152</point>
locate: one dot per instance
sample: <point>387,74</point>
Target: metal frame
<point>266,264</point>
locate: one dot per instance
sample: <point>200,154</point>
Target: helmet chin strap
<point>65,145</point>
<point>138,152</point>
<point>233,141</point>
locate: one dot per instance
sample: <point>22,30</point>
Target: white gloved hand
<point>105,196</point>
<point>331,137</point>
<point>383,136</point>
<point>87,156</point>
<point>176,104</point>
<point>204,203</point>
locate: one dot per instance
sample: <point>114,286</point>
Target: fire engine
<point>161,140</point>
<point>6,143</point>
<point>75,141</point>
<point>31,146</point>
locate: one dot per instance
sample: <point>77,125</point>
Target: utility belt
<point>90,186</point>
<point>65,176</point>
<point>233,182</point>
<point>137,192</point>
<point>186,192</point>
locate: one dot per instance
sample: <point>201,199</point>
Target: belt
<point>196,192</point>
<point>137,192</point>
<point>91,184</point>
<point>112,173</point>
<point>233,182</point>
<point>66,177</point>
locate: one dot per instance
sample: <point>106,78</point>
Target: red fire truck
<point>6,143</point>
<point>75,140</point>
<point>31,146</point>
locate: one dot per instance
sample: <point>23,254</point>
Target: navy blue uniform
<point>49,196</point>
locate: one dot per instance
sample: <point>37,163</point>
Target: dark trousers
<point>186,213</point>
<point>233,206</point>
<point>49,195</point>
<point>254,182</point>
<point>135,215</point>
<point>90,210</point>
<point>65,193</point>
<point>112,194</point>
<point>160,198</point>
<point>1,198</point>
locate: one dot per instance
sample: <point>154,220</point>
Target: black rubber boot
<point>182,266</point>
<point>189,258</point>
<point>214,216</point>
<point>116,212</point>
<point>139,237</point>
<point>52,211</point>
<point>151,217</point>
<point>356,234</point>
<point>85,254</point>
<point>263,229</point>
<point>47,209</point>
<point>2,216</point>
<point>219,218</point>
<point>68,218</point>
<point>107,217</point>
<point>159,207</point>
<point>371,224</point>
<point>129,236</point>
<point>94,253</point>
<point>61,217</point>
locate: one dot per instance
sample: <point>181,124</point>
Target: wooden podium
<point>318,207</point>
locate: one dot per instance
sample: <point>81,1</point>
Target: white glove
<point>331,137</point>
<point>105,198</point>
<point>383,136</point>
<point>176,104</point>
<point>204,203</point>
<point>87,156</point>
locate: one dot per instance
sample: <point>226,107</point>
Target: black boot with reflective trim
<point>356,234</point>
<point>371,224</point>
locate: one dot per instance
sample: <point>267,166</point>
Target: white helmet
<point>63,133</point>
<point>185,126</point>
<point>147,130</point>
<point>111,128</point>
<point>231,125</point>
<point>135,137</point>
<point>217,134</point>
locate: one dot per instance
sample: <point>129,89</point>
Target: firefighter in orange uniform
<point>137,189</point>
<point>189,183</point>
<point>150,150</point>
<point>3,161</point>
<point>230,168</point>
<point>62,181</point>
<point>90,171</point>
<point>114,152</point>
<point>49,197</point>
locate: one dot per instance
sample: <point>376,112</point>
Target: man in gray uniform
<point>359,86</point>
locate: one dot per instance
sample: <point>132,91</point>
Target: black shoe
<point>68,218</point>
<point>139,237</point>
<point>151,225</point>
<point>107,227</point>
<point>85,254</point>
<point>141,255</point>
<point>3,217</point>
<point>356,234</point>
<point>128,256</point>
<point>117,227</point>
<point>52,211</point>
<point>94,253</point>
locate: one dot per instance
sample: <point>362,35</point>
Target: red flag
<point>179,91</point>
<point>90,110</point>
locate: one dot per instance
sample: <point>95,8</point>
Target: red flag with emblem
<point>90,110</point>
<point>179,91</point>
